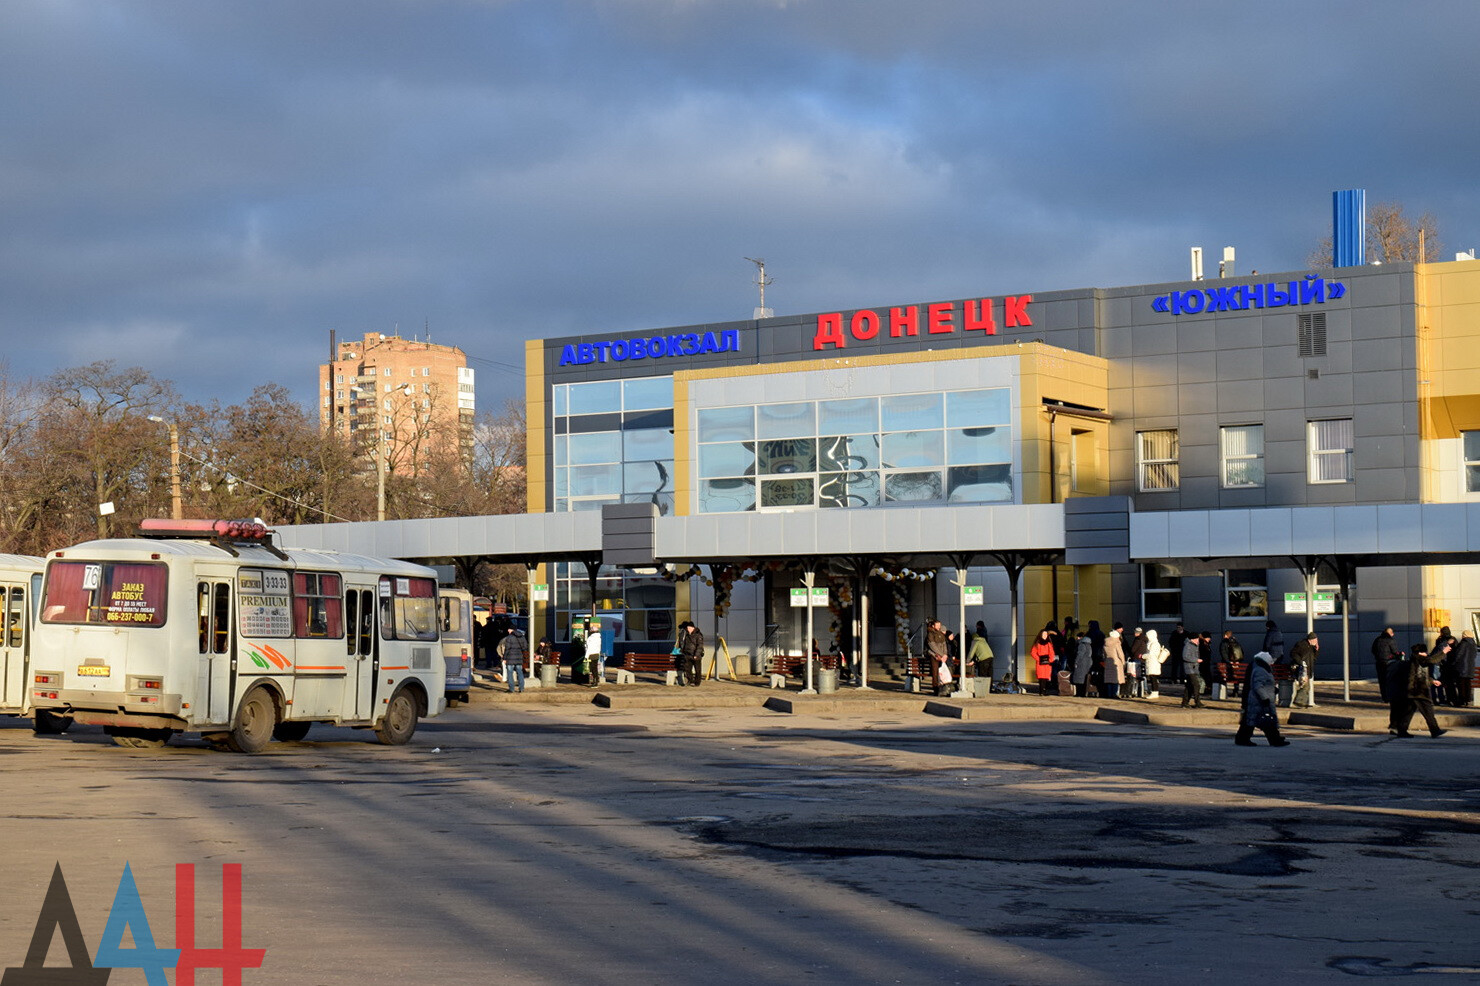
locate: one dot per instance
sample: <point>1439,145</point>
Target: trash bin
<point>1284,689</point>
<point>827,680</point>
<point>981,686</point>
<point>549,675</point>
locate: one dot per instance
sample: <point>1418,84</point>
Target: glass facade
<point>613,443</point>
<point>952,447</point>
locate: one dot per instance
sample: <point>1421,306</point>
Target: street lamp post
<point>382,452</point>
<point>177,503</point>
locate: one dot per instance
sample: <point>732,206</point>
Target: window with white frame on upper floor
<point>1242,450</point>
<point>1470,452</point>
<point>386,371</point>
<point>1330,445</point>
<point>1157,468</point>
<point>426,371</point>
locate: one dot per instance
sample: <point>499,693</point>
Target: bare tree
<point>1391,236</point>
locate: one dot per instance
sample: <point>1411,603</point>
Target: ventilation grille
<point>1312,335</point>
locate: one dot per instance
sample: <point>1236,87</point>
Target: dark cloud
<point>207,188</point>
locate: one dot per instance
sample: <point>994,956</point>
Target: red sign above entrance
<point>940,318</point>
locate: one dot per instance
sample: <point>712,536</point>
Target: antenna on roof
<point>761,280</point>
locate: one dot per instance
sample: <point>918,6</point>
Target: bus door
<point>216,649</point>
<point>13,645</point>
<point>362,643</point>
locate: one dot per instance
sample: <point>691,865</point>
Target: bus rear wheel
<point>255,720</point>
<point>399,722</point>
<point>291,732</point>
<point>49,723</point>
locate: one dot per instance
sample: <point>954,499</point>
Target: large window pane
<point>798,420</point>
<point>651,392</point>
<point>913,487</point>
<point>974,408</point>
<point>914,448</point>
<point>646,477</point>
<point>729,459</point>
<point>911,412</point>
<point>726,424</point>
<point>848,489</point>
<point>1471,453</point>
<point>1248,593</point>
<point>980,484</point>
<point>726,495</point>
<point>1157,460</point>
<point>964,445</point>
<point>647,443</point>
<point>1243,455</point>
<point>848,452</point>
<point>848,417</point>
<point>598,397</point>
<point>786,455</point>
<point>595,480</point>
<point>787,492</point>
<point>1331,446</point>
<point>601,446</point>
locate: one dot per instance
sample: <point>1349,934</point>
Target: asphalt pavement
<point>551,839</point>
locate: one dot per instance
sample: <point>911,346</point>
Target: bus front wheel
<point>399,722</point>
<point>255,720</point>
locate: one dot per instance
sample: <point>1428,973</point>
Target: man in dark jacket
<point>1415,683</point>
<point>1230,653</point>
<point>1384,652</point>
<point>1463,660</point>
<point>690,654</point>
<point>1303,670</point>
<point>1175,643</point>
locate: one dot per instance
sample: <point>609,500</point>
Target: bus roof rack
<point>225,534</point>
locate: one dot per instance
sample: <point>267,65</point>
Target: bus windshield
<point>104,592</point>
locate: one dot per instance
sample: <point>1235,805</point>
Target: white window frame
<point>1317,455</point>
<point>1225,457</point>
<point>1466,464</point>
<point>1141,570</point>
<point>1146,465</point>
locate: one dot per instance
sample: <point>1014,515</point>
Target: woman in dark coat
<point>1259,705</point>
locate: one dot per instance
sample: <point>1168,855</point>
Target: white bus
<point>208,627</point>
<point>455,608</point>
<point>20,588</point>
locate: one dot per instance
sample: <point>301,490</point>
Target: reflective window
<point>980,484</point>
<point>595,480</point>
<point>726,424</point>
<point>647,443</point>
<point>1470,441</point>
<point>730,459</point>
<point>786,455</point>
<point>598,397</point>
<point>786,492</point>
<point>650,392</point>
<point>913,487</point>
<point>970,408</point>
<point>979,445</point>
<point>646,477</point>
<point>848,417</point>
<point>797,420</point>
<point>726,495</point>
<point>1242,448</point>
<point>914,448</point>
<point>601,446</point>
<point>911,412</point>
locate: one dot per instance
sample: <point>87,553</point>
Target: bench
<point>634,663</point>
<point>918,671</point>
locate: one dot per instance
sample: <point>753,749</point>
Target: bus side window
<point>221,639</point>
<point>367,621</point>
<point>15,619</point>
<point>203,615</point>
<point>352,620</point>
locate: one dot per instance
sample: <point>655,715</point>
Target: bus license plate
<point>95,670</point>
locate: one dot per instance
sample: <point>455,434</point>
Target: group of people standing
<point>1078,659</point>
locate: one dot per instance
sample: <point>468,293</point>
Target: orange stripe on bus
<point>398,667</point>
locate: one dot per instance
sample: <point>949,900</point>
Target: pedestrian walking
<point>1303,670</point>
<point>1258,705</point>
<point>1416,683</point>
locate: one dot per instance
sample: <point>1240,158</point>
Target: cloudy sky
<point>206,188</point>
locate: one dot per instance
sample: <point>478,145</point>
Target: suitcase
<point>1066,687</point>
